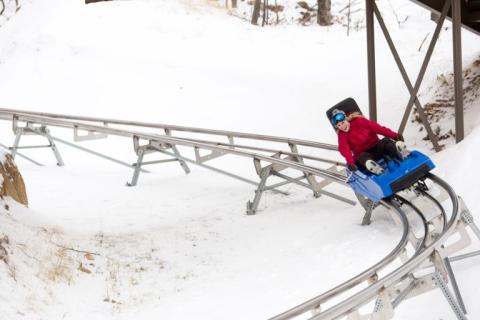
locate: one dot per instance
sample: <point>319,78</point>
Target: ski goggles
<point>339,117</point>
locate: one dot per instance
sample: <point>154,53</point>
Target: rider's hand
<point>400,137</point>
<point>352,167</point>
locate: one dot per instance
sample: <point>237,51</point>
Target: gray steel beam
<point>21,155</point>
<point>372,85</point>
<point>95,153</point>
<point>253,206</point>
<point>16,142</point>
<point>457,68</point>
<point>33,147</point>
<point>426,60</point>
<point>465,256</point>
<point>454,283</point>
<point>7,114</point>
<point>440,283</point>
<point>283,183</point>
<point>229,174</point>
<point>138,166</point>
<point>422,115</point>
<point>308,186</point>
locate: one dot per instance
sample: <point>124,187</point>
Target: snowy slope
<point>180,246</point>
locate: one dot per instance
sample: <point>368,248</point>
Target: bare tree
<point>233,2</point>
<point>324,16</point>
<point>2,7</point>
<point>348,16</point>
<point>256,11</point>
<point>265,13</point>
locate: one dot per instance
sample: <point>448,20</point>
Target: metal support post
<point>41,131</point>
<point>177,154</point>
<point>468,219</point>
<point>310,179</point>
<point>138,166</point>
<point>18,135</point>
<point>53,146</point>
<point>457,68</point>
<point>454,283</point>
<point>372,86</point>
<point>404,293</point>
<point>367,218</point>
<point>439,282</point>
<point>383,308</point>
<point>253,206</point>
<point>182,163</point>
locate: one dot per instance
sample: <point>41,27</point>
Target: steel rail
<point>439,205</point>
<point>43,120</point>
<point>365,295</point>
<point>358,279</point>
<point>6,111</point>
<point>422,217</point>
<point>280,152</point>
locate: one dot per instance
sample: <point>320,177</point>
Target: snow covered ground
<point>180,246</point>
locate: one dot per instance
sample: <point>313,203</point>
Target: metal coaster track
<point>276,159</point>
<point>59,121</point>
<point>387,283</point>
<point>381,285</point>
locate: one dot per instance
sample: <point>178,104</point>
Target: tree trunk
<point>256,11</point>
<point>324,17</point>
<point>265,13</point>
<point>234,3</point>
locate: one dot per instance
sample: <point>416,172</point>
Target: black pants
<point>386,146</point>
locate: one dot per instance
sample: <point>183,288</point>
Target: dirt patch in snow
<point>440,110</point>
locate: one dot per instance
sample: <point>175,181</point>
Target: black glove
<point>400,137</point>
<point>352,167</point>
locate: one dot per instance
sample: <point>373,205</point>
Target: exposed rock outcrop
<point>11,181</point>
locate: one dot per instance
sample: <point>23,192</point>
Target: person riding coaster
<point>359,144</point>
<point>376,169</point>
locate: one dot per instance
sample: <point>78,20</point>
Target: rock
<point>11,181</point>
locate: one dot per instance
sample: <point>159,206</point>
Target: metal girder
<point>421,74</point>
<point>177,154</point>
<point>229,174</point>
<point>321,192</point>
<point>457,68</point>
<point>440,283</point>
<point>21,155</point>
<point>252,206</point>
<point>372,85</point>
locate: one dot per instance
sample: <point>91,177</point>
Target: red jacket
<point>361,137</point>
